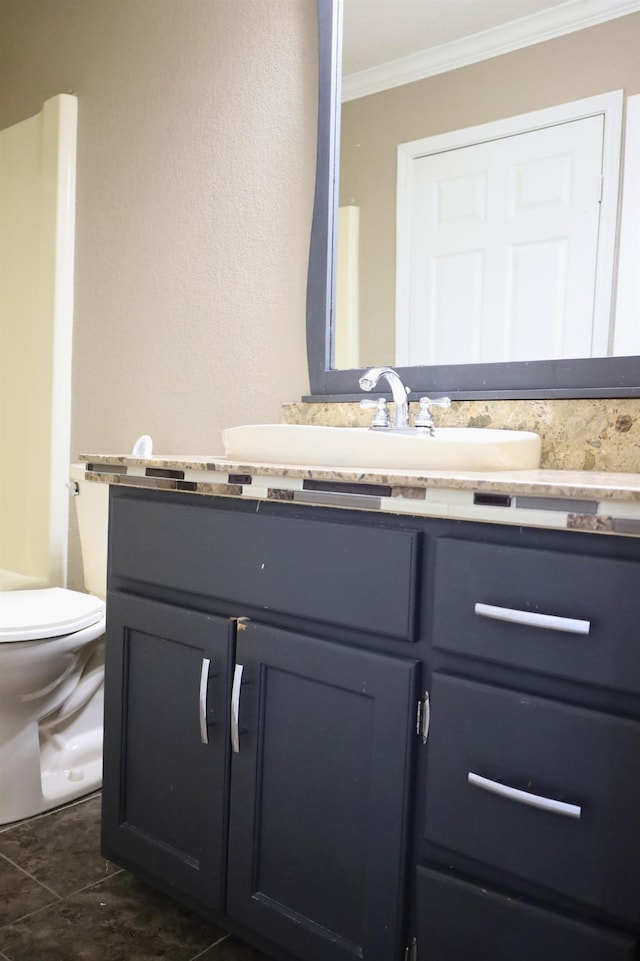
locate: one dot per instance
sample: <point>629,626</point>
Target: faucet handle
<point>381,416</point>
<point>423,417</point>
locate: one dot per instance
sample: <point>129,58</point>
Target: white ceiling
<point>414,38</point>
<point>376,31</point>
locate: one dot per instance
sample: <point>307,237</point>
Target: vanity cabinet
<point>346,734</point>
<point>460,920</point>
<point>524,784</point>
<point>166,753</point>
<point>533,756</point>
<point>318,795</point>
<point>257,766</point>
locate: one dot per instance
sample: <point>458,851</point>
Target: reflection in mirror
<point>449,278</point>
<point>492,242</point>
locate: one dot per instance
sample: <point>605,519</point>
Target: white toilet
<point>51,677</point>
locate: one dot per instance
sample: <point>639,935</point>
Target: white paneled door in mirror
<point>503,249</point>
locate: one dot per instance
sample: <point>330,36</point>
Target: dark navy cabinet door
<point>166,693</point>
<point>543,790</point>
<point>458,920</point>
<point>319,795</point>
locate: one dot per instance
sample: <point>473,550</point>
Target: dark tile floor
<point>61,901</point>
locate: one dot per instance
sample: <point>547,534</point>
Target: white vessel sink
<point>452,448</point>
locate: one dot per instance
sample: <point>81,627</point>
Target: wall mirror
<point>375,116</point>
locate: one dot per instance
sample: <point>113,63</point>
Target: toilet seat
<point>52,612</point>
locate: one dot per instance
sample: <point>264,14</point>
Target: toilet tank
<point>92,506</point>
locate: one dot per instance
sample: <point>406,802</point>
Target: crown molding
<point>555,22</point>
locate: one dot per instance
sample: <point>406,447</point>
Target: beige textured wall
<point>196,163</point>
<point>568,68</point>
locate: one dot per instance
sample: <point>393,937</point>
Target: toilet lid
<point>33,615</point>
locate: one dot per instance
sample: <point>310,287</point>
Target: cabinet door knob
<point>549,622</point>
<point>235,708</point>
<point>524,797</point>
<point>204,692</point>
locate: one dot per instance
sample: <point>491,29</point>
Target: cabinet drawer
<point>344,574</point>
<point>457,921</point>
<point>603,595</point>
<point>484,740</point>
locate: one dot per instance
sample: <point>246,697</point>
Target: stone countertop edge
<point>598,485</point>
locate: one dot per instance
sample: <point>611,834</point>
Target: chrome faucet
<point>370,379</point>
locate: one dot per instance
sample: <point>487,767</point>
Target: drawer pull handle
<point>549,622</point>
<point>524,797</point>
<point>204,692</point>
<point>235,708</point>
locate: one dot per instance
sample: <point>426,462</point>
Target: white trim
<point>403,251</point>
<point>60,119</point>
<point>347,337</point>
<point>626,339</point>
<point>537,28</point>
<point>610,105</point>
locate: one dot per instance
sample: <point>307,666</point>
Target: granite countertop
<point>598,485</point>
<point>593,501</point>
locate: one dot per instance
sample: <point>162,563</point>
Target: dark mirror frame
<point>594,377</point>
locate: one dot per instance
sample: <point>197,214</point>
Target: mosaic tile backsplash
<point>600,434</point>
